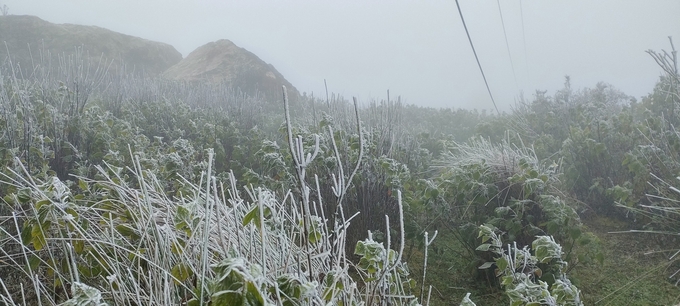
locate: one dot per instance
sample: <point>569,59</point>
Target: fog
<point>417,50</point>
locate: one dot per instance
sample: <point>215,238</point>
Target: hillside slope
<point>28,36</point>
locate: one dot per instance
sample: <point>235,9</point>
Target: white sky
<point>417,49</point>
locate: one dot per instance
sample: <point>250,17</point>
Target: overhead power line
<point>524,38</point>
<point>507,45</point>
<point>476,57</point>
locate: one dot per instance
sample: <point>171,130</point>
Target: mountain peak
<point>222,61</point>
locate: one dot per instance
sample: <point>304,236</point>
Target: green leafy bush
<point>505,186</point>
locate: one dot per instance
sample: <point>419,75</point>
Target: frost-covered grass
<point>501,160</point>
<point>124,241</point>
<point>119,238</point>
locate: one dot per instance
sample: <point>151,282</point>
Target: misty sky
<point>417,49</point>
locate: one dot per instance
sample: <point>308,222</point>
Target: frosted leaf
<point>111,278</point>
<point>84,295</point>
<point>184,147</point>
<point>308,289</point>
<point>68,217</point>
<point>58,191</point>
<point>547,249</point>
<point>467,301</point>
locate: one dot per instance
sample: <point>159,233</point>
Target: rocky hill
<point>24,33</point>
<point>27,37</point>
<point>223,61</point>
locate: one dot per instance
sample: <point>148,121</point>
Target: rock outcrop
<point>224,62</point>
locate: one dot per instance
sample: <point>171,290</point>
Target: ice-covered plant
<point>122,238</point>
<point>523,273</point>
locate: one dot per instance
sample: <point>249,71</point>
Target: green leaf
<point>502,263</point>
<point>24,195</point>
<point>38,237</point>
<point>126,230</point>
<point>78,246</point>
<point>26,234</point>
<point>253,214</point>
<point>360,248</point>
<point>82,185</point>
<point>507,281</point>
<point>177,247</point>
<point>182,213</point>
<point>484,247</point>
<point>354,146</point>
<point>433,193</point>
<point>181,272</point>
<point>33,262</point>
<point>486,265</point>
<point>253,295</point>
<point>552,227</point>
<point>41,203</point>
<point>315,236</point>
<point>533,173</point>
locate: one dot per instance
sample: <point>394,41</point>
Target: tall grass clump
<point>483,179</point>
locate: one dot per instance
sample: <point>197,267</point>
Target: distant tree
<point>4,9</point>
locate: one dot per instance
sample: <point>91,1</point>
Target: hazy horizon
<point>417,50</point>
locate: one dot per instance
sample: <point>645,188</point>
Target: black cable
<point>524,37</point>
<point>507,45</point>
<point>476,57</point>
